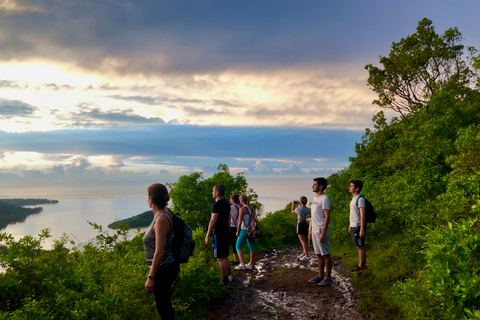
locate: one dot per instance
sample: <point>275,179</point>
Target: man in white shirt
<point>319,232</point>
<point>358,226</point>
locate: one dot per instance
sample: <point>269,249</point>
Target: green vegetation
<point>10,213</point>
<point>139,221</point>
<point>192,194</point>
<point>422,174</point>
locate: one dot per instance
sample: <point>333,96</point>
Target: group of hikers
<point>229,224</point>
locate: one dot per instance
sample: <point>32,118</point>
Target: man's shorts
<point>221,245</point>
<point>302,228</point>
<point>355,235</point>
<point>321,248</point>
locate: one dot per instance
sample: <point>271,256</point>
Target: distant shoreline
<point>12,210</point>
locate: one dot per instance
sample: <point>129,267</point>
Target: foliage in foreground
<point>422,174</point>
<point>100,280</point>
<point>104,279</point>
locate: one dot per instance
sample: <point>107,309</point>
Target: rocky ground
<point>278,288</point>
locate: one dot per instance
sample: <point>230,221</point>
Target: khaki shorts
<point>320,248</point>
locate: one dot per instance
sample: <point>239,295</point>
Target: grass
<point>386,266</point>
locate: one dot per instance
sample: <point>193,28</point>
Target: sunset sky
<point>141,89</point>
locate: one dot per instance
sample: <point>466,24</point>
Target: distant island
<point>12,210</point>
<point>140,220</point>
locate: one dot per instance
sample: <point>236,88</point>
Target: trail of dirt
<point>278,288</point>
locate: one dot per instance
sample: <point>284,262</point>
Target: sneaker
<point>234,263</point>
<point>301,256</point>
<point>317,279</point>
<point>230,277</point>
<point>325,282</point>
<point>305,258</point>
<point>358,269</point>
<point>249,266</point>
<point>240,267</point>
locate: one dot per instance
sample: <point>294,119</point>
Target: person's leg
<point>242,237</point>
<point>224,264</point>
<point>321,266</point>
<point>304,242</point>
<point>163,290</point>
<point>233,243</point>
<point>362,257</point>
<point>328,266</point>
<point>251,246</point>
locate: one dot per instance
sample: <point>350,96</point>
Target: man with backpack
<point>358,223</point>
<point>220,227</point>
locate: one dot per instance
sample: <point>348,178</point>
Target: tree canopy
<point>192,194</point>
<point>420,64</point>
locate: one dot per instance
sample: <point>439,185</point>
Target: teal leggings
<point>242,236</point>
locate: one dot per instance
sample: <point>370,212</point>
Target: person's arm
<point>293,207</point>
<point>241,213</point>
<point>362,222</point>
<point>162,228</point>
<point>211,225</point>
<point>323,236</point>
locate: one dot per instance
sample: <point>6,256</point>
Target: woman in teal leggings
<point>246,213</point>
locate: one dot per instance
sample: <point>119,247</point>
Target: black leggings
<point>233,238</point>
<point>162,288</point>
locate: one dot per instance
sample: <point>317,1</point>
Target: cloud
<point>292,169</point>
<point>15,108</point>
<point>260,168</point>
<point>92,117</point>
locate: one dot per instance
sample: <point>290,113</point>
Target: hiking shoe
<point>240,267</point>
<point>305,258</point>
<point>325,282</point>
<point>317,279</point>
<point>249,266</point>
<point>301,256</point>
<point>234,263</point>
<point>358,269</point>
<point>230,277</point>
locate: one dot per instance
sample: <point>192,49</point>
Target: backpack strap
<point>358,198</point>
<point>238,214</point>
<point>168,219</point>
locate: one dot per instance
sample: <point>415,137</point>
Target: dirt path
<point>279,289</point>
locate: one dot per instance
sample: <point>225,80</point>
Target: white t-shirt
<point>319,204</point>
<point>355,211</point>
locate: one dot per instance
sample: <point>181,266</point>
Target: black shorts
<point>355,235</point>
<point>221,245</point>
<point>302,228</point>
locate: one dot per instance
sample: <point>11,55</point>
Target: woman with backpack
<point>234,215</point>
<point>245,215</point>
<point>157,240</point>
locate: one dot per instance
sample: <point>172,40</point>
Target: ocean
<point>105,203</point>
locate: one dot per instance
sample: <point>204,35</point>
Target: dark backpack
<point>370,215</point>
<point>183,244</point>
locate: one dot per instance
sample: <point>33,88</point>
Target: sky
<point>149,90</point>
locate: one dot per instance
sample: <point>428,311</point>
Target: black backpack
<point>370,215</point>
<point>183,244</point>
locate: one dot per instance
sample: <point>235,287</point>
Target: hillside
<point>139,221</point>
<point>10,214</point>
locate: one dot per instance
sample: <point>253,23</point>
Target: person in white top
<point>319,232</point>
<point>358,227</point>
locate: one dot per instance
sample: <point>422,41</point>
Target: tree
<point>192,194</point>
<point>419,65</point>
